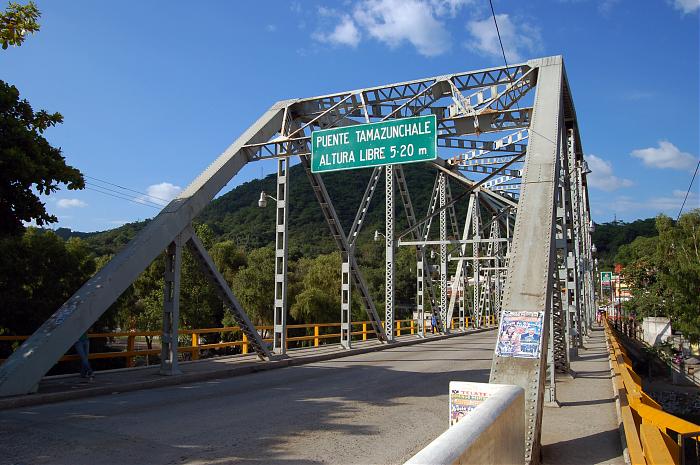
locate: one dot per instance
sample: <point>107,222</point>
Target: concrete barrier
<point>492,433</point>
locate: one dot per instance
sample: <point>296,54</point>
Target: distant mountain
<point>608,237</point>
<point>236,216</point>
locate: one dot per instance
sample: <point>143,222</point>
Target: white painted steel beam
<point>532,256</point>
<point>23,370</point>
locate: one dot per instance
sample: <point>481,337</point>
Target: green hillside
<point>236,216</point>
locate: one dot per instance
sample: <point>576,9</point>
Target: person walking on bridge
<point>433,324</point>
<point>82,347</point>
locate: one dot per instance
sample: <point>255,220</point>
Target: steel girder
<point>472,109</point>
<point>533,274</point>
<point>23,370</point>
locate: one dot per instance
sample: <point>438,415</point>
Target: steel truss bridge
<point>508,135</point>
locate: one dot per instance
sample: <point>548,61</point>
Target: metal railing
<point>191,340</point>
<point>632,330</point>
<point>652,435</point>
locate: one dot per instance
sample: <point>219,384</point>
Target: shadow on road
<point>333,411</point>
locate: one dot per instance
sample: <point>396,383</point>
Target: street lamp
<point>262,203</point>
<point>585,168</point>
<point>593,249</point>
<point>377,234</point>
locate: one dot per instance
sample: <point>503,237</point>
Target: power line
<point>125,188</point>
<point>505,60</point>
<point>493,13</point>
<point>122,198</point>
<point>688,193</point>
<point>144,201</point>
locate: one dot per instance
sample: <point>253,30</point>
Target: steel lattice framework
<point>507,136</point>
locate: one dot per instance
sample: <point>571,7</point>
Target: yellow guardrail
<point>652,435</point>
<point>320,335</point>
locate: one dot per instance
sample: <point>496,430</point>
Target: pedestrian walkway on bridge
<point>375,407</point>
<point>584,430</point>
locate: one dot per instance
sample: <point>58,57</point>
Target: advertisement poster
<point>520,334</point>
<point>465,397</point>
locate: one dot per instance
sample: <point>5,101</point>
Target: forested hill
<point>608,237</point>
<point>236,215</point>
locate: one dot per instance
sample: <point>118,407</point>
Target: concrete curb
<point>252,367</point>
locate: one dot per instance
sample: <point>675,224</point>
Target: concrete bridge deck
<point>376,407</point>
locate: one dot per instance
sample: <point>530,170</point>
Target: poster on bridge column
<point>520,334</point>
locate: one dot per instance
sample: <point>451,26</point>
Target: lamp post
<point>262,202</point>
<point>377,234</point>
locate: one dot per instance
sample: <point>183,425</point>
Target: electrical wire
<point>503,51</point>
<point>498,32</point>
<point>142,199</point>
<point>123,198</point>
<point>125,188</point>
<point>688,193</point>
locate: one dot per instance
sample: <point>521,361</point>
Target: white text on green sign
<point>406,140</point>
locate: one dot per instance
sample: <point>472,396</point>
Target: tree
<point>255,285</point>
<point>38,273</point>
<point>319,298</point>
<point>28,163</point>
<point>663,273</point>
<point>16,22</point>
<point>679,270</point>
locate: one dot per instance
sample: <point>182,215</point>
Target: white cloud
<point>344,33</point>
<point>448,7</point>
<point>270,28</point>
<point>393,23</point>
<point>160,194</point>
<point>681,194</point>
<point>655,205</point>
<point>666,155</point>
<point>602,177</point>
<point>686,6</point>
<point>605,7</point>
<point>518,41</point>
<point>637,95</point>
<point>70,203</point>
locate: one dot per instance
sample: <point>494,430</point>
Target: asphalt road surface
<point>380,407</point>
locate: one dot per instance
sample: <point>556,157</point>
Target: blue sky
<point>153,91</point>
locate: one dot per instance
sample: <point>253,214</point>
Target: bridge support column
<point>443,254</point>
<point>529,289</point>
<point>462,303</point>
<point>171,308</point>
<point>279,344</point>
<point>476,271</point>
<point>389,247</point>
<point>345,303</point>
<point>420,292</point>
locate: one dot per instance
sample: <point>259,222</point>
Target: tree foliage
<point>663,272</point>
<point>609,237</point>
<point>28,163</point>
<point>16,21</point>
<point>39,271</point>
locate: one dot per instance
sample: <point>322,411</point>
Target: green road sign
<point>405,140</point>
<point>606,278</point>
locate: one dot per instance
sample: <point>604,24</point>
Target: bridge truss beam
<point>521,154</point>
